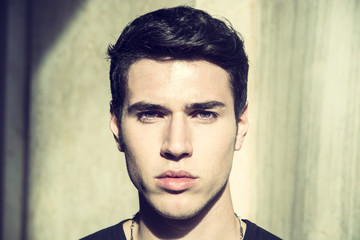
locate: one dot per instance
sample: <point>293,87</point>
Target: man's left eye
<point>206,115</point>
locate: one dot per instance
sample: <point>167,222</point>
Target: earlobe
<point>242,128</point>
<point>115,130</point>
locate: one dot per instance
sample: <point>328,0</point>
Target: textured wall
<point>14,117</point>
<point>307,124</point>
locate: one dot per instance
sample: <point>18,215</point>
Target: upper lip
<point>175,174</point>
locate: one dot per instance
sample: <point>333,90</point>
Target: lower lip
<point>176,184</point>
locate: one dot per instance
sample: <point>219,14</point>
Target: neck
<point>215,221</point>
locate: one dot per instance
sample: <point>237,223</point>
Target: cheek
<point>138,140</point>
<point>139,168</point>
<point>140,149</point>
<point>216,148</point>
<point>219,140</point>
<point>132,167</point>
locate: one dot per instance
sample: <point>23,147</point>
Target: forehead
<point>150,80</point>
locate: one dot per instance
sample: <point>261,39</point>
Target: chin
<point>178,214</point>
<point>175,208</point>
<point>181,209</point>
<point>182,206</point>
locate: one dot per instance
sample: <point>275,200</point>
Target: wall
<point>307,123</point>
<point>296,174</point>
<point>14,117</point>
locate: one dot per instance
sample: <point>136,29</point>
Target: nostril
<point>174,157</point>
<point>168,156</point>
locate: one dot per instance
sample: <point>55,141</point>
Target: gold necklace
<point>133,222</point>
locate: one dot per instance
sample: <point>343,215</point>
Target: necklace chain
<point>241,228</point>
<point>133,223</point>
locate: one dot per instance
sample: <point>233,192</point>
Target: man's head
<point>178,80</point>
<point>180,33</point>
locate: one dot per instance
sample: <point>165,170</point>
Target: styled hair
<point>179,33</point>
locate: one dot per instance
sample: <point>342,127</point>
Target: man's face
<point>179,133</point>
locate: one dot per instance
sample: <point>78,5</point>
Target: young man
<point>179,88</point>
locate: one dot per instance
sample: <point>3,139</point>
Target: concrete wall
<point>14,117</point>
<point>307,123</point>
<point>299,167</point>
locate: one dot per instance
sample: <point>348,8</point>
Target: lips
<point>176,181</point>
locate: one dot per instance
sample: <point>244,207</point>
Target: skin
<point>179,116</point>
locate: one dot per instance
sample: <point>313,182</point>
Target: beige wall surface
<point>298,171</point>
<point>307,123</point>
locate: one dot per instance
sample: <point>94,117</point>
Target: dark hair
<point>180,33</point>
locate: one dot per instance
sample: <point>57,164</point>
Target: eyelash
<point>146,119</point>
<point>208,118</point>
<point>151,116</point>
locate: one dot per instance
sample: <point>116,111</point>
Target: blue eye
<point>206,115</point>
<point>148,117</point>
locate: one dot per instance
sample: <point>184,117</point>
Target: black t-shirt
<point>254,232</point>
<point>116,232</point>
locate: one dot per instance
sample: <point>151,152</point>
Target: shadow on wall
<point>28,30</point>
<point>3,19</point>
<point>49,19</point>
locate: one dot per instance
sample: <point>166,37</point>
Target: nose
<point>177,140</point>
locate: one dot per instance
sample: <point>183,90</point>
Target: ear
<point>242,128</point>
<point>114,127</point>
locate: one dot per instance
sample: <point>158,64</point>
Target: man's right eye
<point>148,117</point>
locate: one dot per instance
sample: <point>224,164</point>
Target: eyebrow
<point>205,105</point>
<point>143,106</point>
